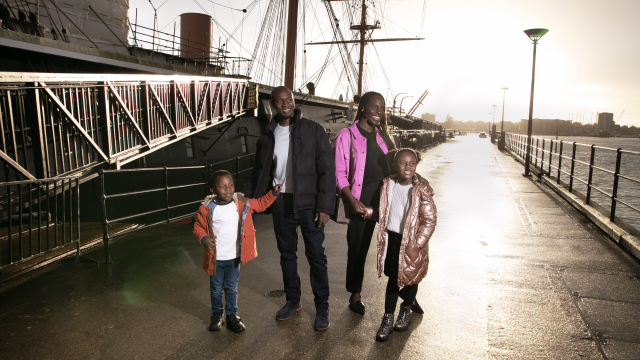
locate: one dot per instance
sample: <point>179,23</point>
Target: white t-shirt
<point>283,159</point>
<point>225,228</point>
<point>400,203</point>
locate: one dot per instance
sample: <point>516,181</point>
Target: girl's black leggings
<point>391,263</point>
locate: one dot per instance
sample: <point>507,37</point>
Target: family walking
<point>297,175</point>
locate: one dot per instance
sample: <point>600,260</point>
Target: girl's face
<point>406,165</point>
<point>374,110</point>
<point>224,188</point>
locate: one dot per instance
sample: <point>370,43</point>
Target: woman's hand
<point>357,206</point>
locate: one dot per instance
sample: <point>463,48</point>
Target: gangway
<point>73,124</point>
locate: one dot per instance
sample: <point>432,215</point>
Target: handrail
<point>517,144</point>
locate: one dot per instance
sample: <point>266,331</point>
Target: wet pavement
<point>515,273</point>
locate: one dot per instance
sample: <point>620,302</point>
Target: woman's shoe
<point>415,307</point>
<point>357,307</point>
<point>404,318</point>
<point>386,328</point>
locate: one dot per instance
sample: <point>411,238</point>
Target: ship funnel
<point>195,34</point>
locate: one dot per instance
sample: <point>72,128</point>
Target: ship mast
<point>362,28</point>
<point>290,57</point>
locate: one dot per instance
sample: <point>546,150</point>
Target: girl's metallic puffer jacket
<point>419,226</point>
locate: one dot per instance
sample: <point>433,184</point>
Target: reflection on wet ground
<point>514,273</point>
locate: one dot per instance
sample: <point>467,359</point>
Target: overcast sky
<point>589,61</point>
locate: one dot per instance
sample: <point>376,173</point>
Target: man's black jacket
<point>314,168</point>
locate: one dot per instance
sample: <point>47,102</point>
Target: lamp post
<point>534,35</point>
<point>493,126</point>
<point>410,96</point>
<point>394,102</point>
<point>501,142</point>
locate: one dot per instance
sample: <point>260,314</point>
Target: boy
<point>225,229</point>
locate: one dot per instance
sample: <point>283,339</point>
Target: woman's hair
<point>384,127</point>
<point>214,177</point>
<point>396,152</point>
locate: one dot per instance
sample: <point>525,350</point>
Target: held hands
<point>277,189</point>
<point>209,244</point>
<point>358,207</point>
<point>368,213</point>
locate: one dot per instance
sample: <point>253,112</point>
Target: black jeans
<point>391,264</point>
<point>359,233</point>
<point>285,223</point>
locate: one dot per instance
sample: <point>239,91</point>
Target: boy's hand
<point>209,244</point>
<point>277,189</point>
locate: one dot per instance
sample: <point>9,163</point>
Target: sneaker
<point>404,318</point>
<point>322,320</point>
<point>287,310</point>
<point>234,324</point>
<point>386,328</point>
<point>216,322</point>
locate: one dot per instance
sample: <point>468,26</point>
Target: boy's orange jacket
<point>246,231</point>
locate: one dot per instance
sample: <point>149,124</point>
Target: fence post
<point>78,214</point>
<point>166,191</point>
<point>550,155</point>
<point>105,222</point>
<point>616,177</point>
<point>535,164</point>
<point>238,168</point>
<point>593,154</point>
<point>573,164</point>
<point>560,161</point>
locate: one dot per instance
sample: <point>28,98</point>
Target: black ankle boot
<point>386,328</point>
<point>404,318</point>
<point>216,322</point>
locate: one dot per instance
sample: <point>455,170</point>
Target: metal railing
<point>168,194</point>
<point>38,217</point>
<point>56,125</point>
<point>591,167</point>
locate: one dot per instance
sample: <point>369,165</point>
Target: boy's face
<point>224,188</point>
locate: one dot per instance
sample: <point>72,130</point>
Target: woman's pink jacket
<point>359,154</point>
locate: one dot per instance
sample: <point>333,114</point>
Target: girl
<point>360,167</point>
<point>407,219</point>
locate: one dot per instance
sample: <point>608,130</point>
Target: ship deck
<point>515,272</point>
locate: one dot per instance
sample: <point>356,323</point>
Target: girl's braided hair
<point>384,126</point>
<point>394,154</point>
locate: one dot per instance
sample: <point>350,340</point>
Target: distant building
<point>548,126</point>
<point>428,117</point>
<point>605,122</point>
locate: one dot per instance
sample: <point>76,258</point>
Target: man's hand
<point>209,244</point>
<point>277,189</point>
<point>321,219</point>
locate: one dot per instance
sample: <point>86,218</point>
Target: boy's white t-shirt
<point>225,228</point>
<point>400,203</point>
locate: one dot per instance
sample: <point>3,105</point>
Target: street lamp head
<point>504,89</point>
<point>536,34</point>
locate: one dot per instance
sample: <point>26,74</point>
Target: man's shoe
<point>386,328</point>
<point>404,318</point>
<point>322,320</point>
<point>234,324</point>
<point>216,322</point>
<point>287,310</point>
<point>357,307</point>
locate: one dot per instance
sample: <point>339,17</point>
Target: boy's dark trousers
<point>285,223</point>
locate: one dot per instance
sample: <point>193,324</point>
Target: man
<point>296,153</point>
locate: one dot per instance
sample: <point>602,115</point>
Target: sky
<point>588,62</point>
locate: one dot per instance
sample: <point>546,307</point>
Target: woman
<point>361,165</point>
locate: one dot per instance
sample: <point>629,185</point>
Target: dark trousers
<point>391,264</point>
<point>285,223</point>
<point>359,233</point>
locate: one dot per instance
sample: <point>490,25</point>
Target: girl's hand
<point>277,189</point>
<point>358,207</point>
<point>209,244</point>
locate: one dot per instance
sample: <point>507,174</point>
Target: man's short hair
<point>214,177</point>
<point>275,90</point>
